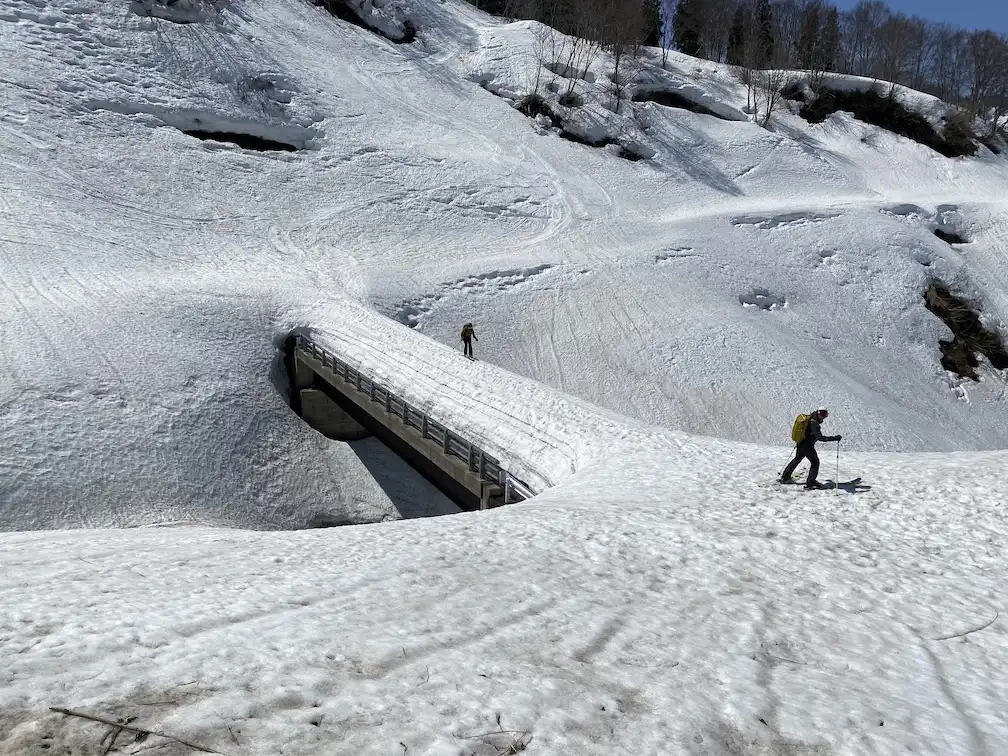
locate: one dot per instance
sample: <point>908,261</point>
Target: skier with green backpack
<point>806,432</point>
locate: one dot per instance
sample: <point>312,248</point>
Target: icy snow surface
<point>648,330</point>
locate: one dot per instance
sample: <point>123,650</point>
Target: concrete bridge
<point>345,404</point>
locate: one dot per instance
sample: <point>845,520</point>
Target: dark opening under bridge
<point>343,403</point>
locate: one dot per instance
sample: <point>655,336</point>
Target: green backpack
<point>799,429</point>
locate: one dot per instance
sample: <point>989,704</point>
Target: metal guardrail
<point>451,443</point>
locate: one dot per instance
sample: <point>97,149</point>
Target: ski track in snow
<point>647,332</point>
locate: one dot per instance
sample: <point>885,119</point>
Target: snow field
<point>591,619</point>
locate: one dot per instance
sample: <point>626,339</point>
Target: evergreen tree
<point>685,29</point>
<point>766,38</point>
<point>831,40</point>
<point>652,23</point>
<point>737,36</point>
<point>808,37</point>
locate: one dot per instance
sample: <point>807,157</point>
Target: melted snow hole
<point>763,300</point>
<point>569,72</point>
<point>691,99</point>
<point>881,107</point>
<point>245,141</point>
<point>207,125</point>
<point>673,100</point>
<point>784,220</point>
<point>949,236</point>
<point>912,212</point>
<point>248,135</point>
<point>373,16</point>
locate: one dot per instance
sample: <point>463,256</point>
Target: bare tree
<point>984,68</point>
<point>809,31</point>
<point>828,51</point>
<point>788,15</point>
<point>892,59</point>
<point>624,73</point>
<point>511,9</point>
<point>743,52</point>
<point>763,85</point>
<point>763,91</point>
<point>771,83</point>
<point>999,104</point>
<point>949,62</point>
<point>741,25</point>
<point>861,35</point>
<point>623,26</point>
<point>920,37</point>
<point>713,30</point>
<point>817,48</point>
<point>577,49</point>
<point>544,42</point>
<point>747,75</point>
<point>989,78</point>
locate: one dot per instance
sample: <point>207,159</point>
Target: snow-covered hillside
<point>648,330</point>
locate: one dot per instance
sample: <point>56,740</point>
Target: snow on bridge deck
<point>465,472</point>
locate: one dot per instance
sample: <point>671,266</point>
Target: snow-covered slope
<point>648,330</point>
<point>675,616</point>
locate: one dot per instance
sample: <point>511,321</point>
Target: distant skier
<point>468,334</point>
<point>806,440</point>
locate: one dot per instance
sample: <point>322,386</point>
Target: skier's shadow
<point>851,488</point>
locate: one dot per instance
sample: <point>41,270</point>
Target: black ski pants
<point>467,347</point>
<point>803,451</point>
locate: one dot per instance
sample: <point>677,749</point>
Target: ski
<point>828,485</point>
<point>777,483</point>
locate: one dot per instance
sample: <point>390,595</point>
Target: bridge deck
<point>466,473</point>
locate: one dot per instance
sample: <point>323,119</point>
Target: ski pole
<point>836,488</point>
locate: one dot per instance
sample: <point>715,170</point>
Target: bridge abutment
<point>328,418</point>
<point>319,410</point>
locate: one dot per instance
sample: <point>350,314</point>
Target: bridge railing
<point>452,444</point>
